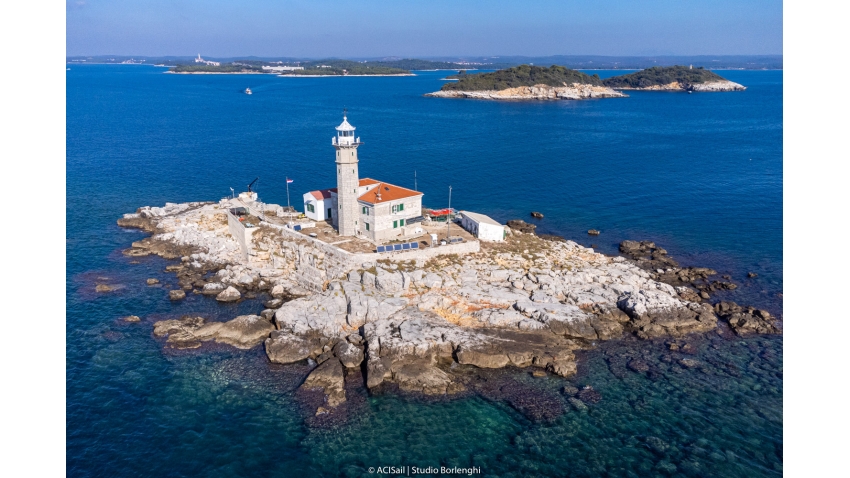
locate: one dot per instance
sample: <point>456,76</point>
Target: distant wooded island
<point>656,78</point>
<point>523,75</point>
<point>664,75</point>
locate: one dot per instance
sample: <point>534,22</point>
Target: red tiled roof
<point>388,192</point>
<point>322,194</point>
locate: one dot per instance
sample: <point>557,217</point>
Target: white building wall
<point>381,218</point>
<point>483,230</point>
<point>490,232</point>
<point>319,208</point>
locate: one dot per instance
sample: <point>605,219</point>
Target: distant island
<point>673,78</point>
<point>332,67</point>
<point>558,82</point>
<point>527,82</point>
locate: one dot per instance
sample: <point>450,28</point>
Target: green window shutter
<point>401,222</point>
<point>367,226</point>
<point>395,224</point>
<point>401,207</point>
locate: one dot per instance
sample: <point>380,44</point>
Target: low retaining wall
<point>239,232</point>
<point>316,262</point>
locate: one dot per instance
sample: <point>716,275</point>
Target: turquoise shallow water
<point>701,174</point>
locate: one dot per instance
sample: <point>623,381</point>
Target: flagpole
<point>288,207</point>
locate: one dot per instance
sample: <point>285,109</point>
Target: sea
<point>699,174</point>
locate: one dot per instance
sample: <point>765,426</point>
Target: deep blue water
<point>700,174</point>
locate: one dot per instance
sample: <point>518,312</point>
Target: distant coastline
<point>344,76</point>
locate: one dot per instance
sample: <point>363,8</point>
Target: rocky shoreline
<point>530,302</point>
<point>537,92</point>
<point>709,86</point>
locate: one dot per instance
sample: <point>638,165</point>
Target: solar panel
<point>297,227</point>
<point>405,246</point>
<point>414,245</point>
<point>380,249</point>
<point>397,247</point>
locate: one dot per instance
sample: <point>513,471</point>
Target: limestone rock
<point>285,347</point>
<point>176,294</point>
<point>330,378</point>
<point>230,294</point>
<point>349,354</point>
<point>243,332</point>
<point>152,281</point>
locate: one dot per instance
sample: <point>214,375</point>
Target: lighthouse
<point>347,178</point>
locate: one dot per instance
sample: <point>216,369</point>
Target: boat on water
<point>248,91</point>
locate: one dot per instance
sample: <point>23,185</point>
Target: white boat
<point>248,91</point>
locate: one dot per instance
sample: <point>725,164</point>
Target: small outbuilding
<point>483,227</point>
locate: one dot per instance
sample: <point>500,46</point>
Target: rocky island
<point>526,82</point>
<point>415,322</point>
<point>673,78</point>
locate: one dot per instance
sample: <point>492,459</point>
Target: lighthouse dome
<point>345,126</point>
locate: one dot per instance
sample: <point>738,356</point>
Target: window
<point>395,224</point>
<point>398,208</point>
<point>367,226</point>
<point>401,223</point>
<point>365,210</point>
<point>310,208</point>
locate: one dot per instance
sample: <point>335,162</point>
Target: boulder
<point>285,347</point>
<point>152,281</point>
<point>521,226</point>
<point>422,376</point>
<point>243,332</point>
<point>212,288</point>
<point>537,215</point>
<point>492,358</point>
<point>330,377</point>
<point>350,355</point>
<point>593,232</point>
<point>132,318</point>
<point>176,294</point>
<point>228,295</point>
<point>278,291</point>
<point>273,304</point>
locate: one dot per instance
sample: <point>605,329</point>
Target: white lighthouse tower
<point>347,178</point>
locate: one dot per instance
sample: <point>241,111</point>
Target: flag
<point>288,181</point>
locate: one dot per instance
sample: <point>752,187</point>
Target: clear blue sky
<point>419,28</point>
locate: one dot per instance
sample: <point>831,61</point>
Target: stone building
<point>375,210</point>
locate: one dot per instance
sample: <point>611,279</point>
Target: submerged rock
<point>243,332</point>
<point>330,378</point>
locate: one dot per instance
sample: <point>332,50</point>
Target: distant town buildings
<point>282,68</point>
<point>206,62</point>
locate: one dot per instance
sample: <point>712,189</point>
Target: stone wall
<point>314,263</point>
<point>241,234</point>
